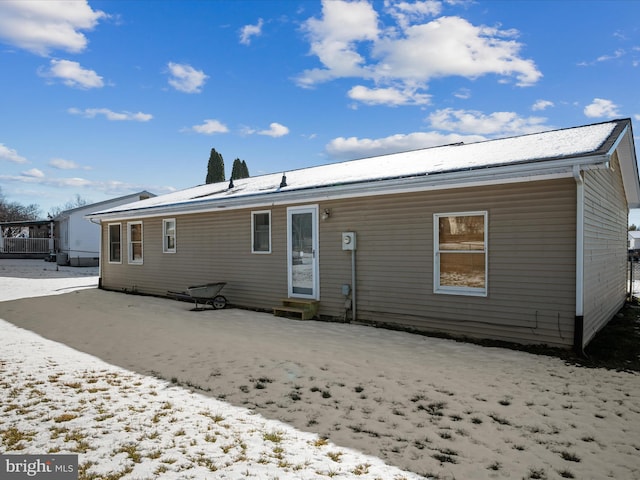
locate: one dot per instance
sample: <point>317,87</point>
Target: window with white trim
<point>460,253</point>
<point>169,235</point>
<point>134,234</point>
<point>261,231</point>
<point>115,242</point>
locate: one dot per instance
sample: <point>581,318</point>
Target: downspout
<point>353,286</point>
<point>578,326</point>
<point>99,223</point>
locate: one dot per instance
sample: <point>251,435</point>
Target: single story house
<point>77,240</point>
<point>634,240</point>
<point>26,239</point>
<point>521,239</point>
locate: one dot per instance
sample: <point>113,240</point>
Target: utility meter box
<point>348,240</point>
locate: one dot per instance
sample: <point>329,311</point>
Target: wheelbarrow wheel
<point>219,302</point>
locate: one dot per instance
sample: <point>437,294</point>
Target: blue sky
<point>105,98</point>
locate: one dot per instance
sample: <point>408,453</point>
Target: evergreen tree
<point>236,169</point>
<point>215,168</point>
<point>239,169</point>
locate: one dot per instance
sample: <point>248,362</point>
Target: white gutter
<point>534,171</point>
<point>577,175</point>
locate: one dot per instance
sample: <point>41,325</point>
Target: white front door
<point>302,251</point>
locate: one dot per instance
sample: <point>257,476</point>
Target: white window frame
<point>253,231</point>
<point>131,260</point>
<point>450,290</point>
<point>109,260</point>
<point>165,236</point>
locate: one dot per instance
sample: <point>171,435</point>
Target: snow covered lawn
<point>124,425</point>
<point>276,388</point>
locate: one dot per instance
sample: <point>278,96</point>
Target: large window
<point>460,253</point>
<point>169,235</point>
<point>261,232</point>
<point>134,230</point>
<point>115,235</point>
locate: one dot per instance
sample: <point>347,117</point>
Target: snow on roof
<point>91,207</point>
<point>554,144</point>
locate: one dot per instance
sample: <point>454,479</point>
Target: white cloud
<point>333,40</point>
<point>601,107</point>
<point>349,148</point>
<point>10,155</point>
<point>463,93</point>
<point>406,13</point>
<point>62,164</point>
<point>111,115</point>
<point>349,41</point>
<point>542,105</point>
<point>26,177</point>
<point>185,78</point>
<point>72,74</point>
<point>109,187</point>
<point>209,127</point>
<point>388,96</point>
<point>478,123</point>
<point>34,172</point>
<point>249,31</point>
<point>43,26</point>
<point>275,130</point>
<point>604,58</point>
<point>451,46</point>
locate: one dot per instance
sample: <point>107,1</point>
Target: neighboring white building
<point>634,240</point>
<point>78,238</point>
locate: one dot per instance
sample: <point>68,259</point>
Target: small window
<point>460,253</point>
<point>169,235</point>
<point>115,234</point>
<point>135,242</point>
<point>261,232</point>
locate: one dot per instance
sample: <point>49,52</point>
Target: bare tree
<point>14,211</point>
<point>77,201</point>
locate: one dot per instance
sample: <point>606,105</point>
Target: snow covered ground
<point>440,408</point>
<point>124,425</point>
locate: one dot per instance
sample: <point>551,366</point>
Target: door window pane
<point>302,255</point>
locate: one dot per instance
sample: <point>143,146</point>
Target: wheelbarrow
<point>207,294</point>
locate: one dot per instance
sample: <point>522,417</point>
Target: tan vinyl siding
<point>531,248</point>
<point>605,242</point>
<point>531,245</point>
<point>210,247</point>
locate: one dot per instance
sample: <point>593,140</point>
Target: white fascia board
<point>629,169</point>
<point>532,171</point>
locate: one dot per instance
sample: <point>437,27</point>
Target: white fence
<point>24,245</point>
